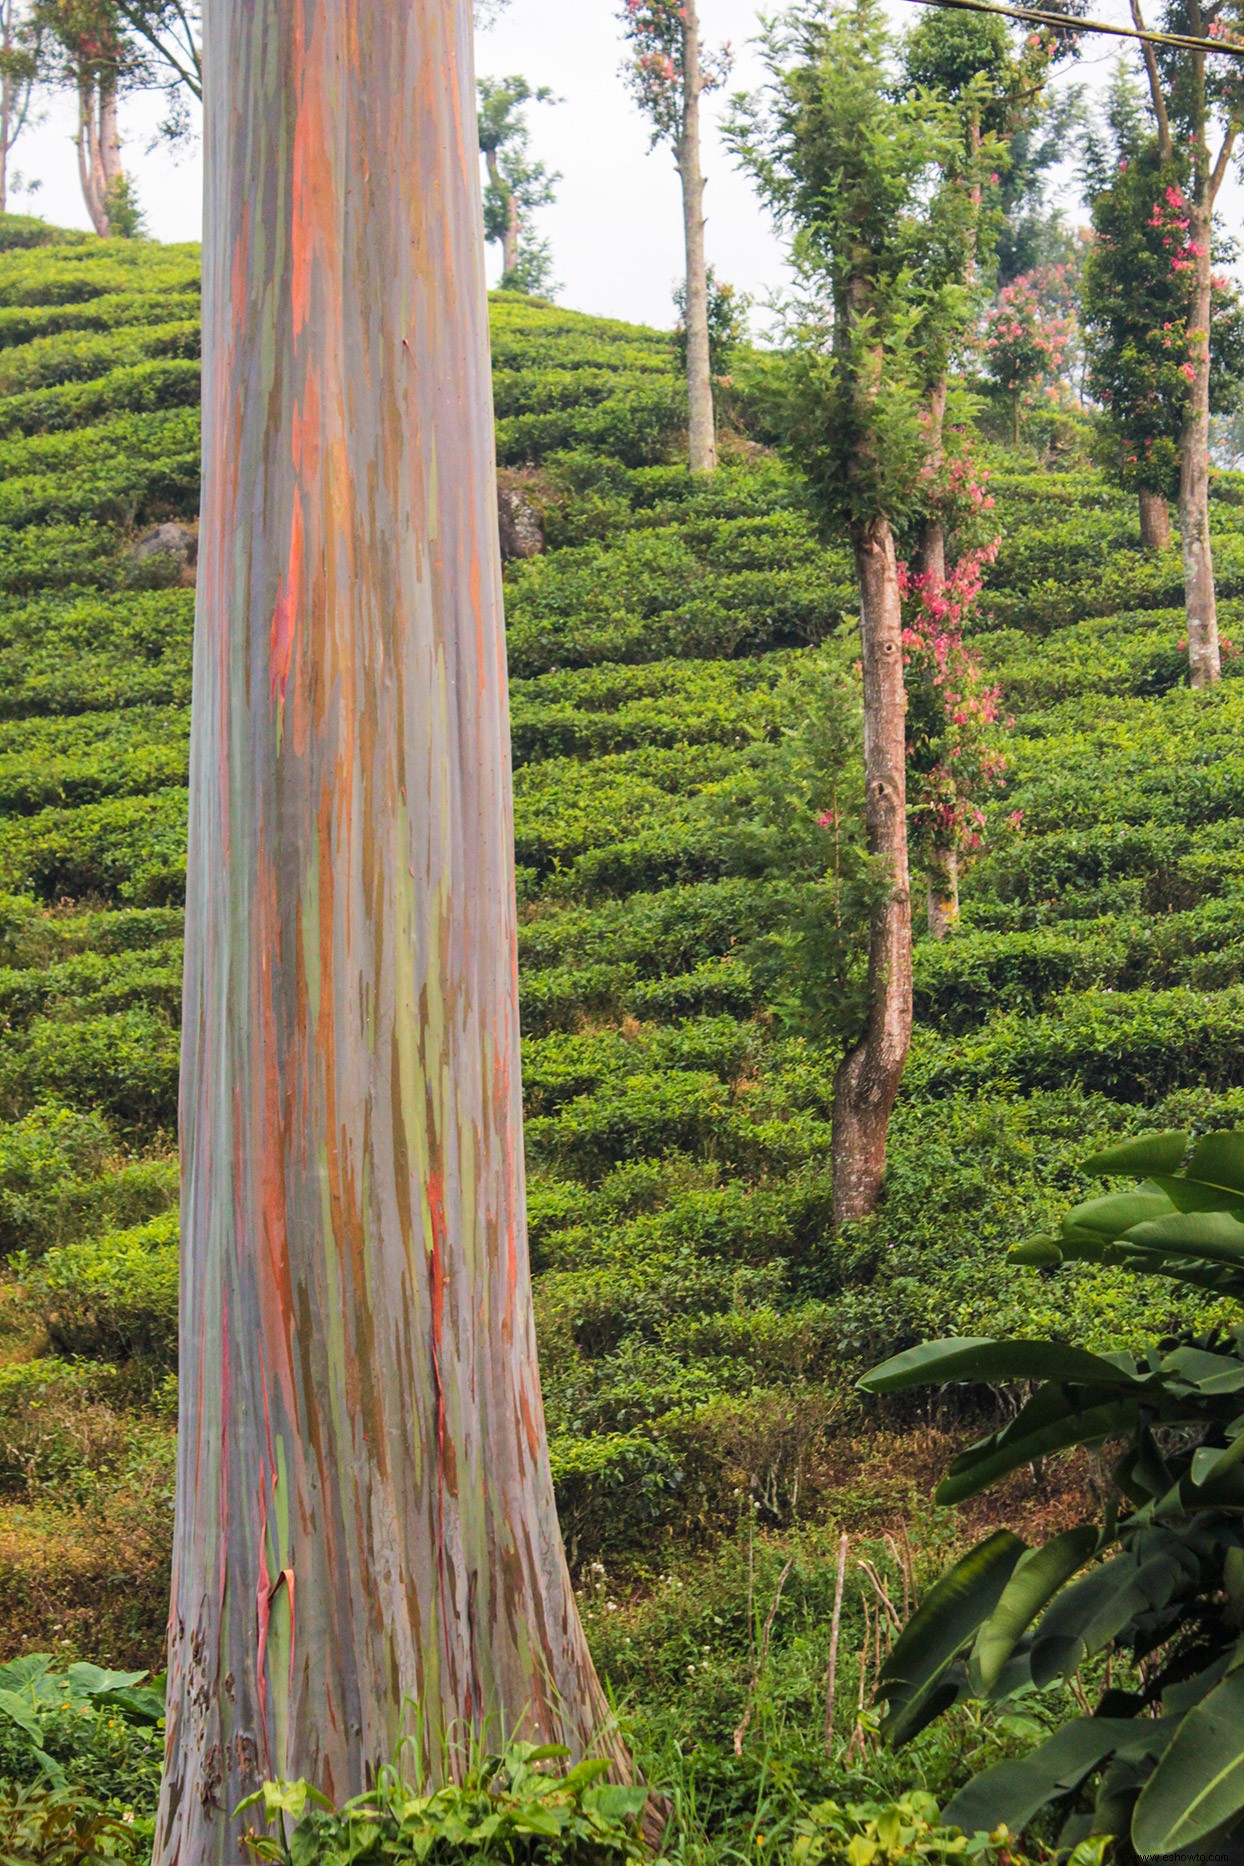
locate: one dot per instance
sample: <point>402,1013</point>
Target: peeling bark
<point>868,1077</point>
<point>365,1514</point>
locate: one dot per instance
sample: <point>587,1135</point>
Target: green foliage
<point>834,145</point>
<point>115,1296</point>
<point>513,1808</point>
<point>873,1834</point>
<point>516,184</point>
<point>1137,302</point>
<point>43,1826</point>
<point>1156,1581</point>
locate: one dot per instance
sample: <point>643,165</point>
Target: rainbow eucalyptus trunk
<point>365,1516</point>
<point>869,1075</point>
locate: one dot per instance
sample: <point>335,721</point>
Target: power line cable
<point>1065,22</point>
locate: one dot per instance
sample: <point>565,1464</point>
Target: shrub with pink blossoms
<point>954,713</point>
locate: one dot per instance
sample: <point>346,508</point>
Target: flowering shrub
<point>953,711</point>
<point>656,70</point>
<point>1139,285</point>
<point>1028,333</point>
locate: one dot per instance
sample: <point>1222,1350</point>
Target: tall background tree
<point>864,176</point>
<point>365,1515</point>
<point>669,71</point>
<point>1138,307</point>
<point>19,66</point>
<point>1197,102</point>
<point>516,184</point>
<point>85,48</point>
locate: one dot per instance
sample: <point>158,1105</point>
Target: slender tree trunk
<point>6,117</point>
<point>99,146</point>
<point>90,155</point>
<point>701,427</point>
<point>869,1075</point>
<point>944,892</point>
<point>1200,602</point>
<point>109,132</point>
<point>509,238</point>
<point>1155,521</point>
<point>931,551</point>
<point>365,1514</point>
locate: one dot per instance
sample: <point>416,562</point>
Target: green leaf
<point>1011,1794</point>
<point>945,1621</point>
<point>1198,1786</point>
<point>24,1671</point>
<point>1216,1235</point>
<point>1219,1160</point>
<point>1034,1435</point>
<point>1152,1153</point>
<point>977,1357</point>
<point>18,1710</point>
<point>1117,1214</point>
<point>1037,1577</point>
<point>1040,1252</point>
<point>1097,1607</point>
<point>90,1681</point>
<point>617,1801</point>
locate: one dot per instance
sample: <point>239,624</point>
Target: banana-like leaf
<point>1197,1788</point>
<point>1011,1793</point>
<point>1115,1215</point>
<point>1194,1195</point>
<point>1037,1577</point>
<point>976,1357</point>
<point>1040,1252</point>
<point>1217,1236</point>
<point>945,1621</point>
<point>1219,1160</point>
<point>1216,1376</point>
<point>1037,1434</point>
<point>1092,1611</point>
<point>1152,1153</point>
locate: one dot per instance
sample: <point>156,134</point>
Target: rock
<point>170,545</point>
<point>522,528</point>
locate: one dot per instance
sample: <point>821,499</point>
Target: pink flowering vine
<point>954,712</point>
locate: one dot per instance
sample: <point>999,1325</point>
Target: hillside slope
<point>699,1323</point>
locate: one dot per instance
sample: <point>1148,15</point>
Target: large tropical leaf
<point>1091,1612</point>
<point>1140,1159</point>
<point>1036,1578</point>
<point>1012,1793</point>
<point>977,1357</point>
<point>1197,1788</point>
<point>1051,1422</point>
<point>1219,1160</point>
<point>947,1618</point>
<point>1216,1236</point>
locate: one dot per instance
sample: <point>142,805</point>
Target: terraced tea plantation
<point>701,1326</point>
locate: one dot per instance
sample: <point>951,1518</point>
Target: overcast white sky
<point>616,225</point>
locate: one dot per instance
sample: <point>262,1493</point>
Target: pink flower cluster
<point>952,763</point>
<point>1029,328</point>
